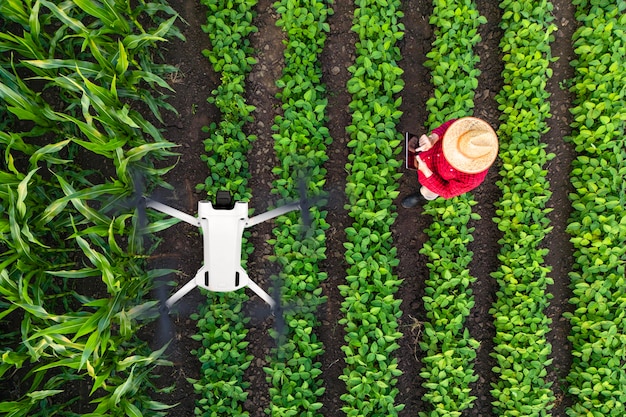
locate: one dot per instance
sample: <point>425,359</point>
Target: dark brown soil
<point>181,249</point>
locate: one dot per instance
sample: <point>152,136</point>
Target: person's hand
<point>413,142</point>
<point>421,166</point>
<point>426,142</point>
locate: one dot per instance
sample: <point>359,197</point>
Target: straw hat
<point>470,145</point>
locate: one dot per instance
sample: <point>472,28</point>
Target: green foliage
<point>221,323</point>
<point>300,141</point>
<point>452,60</point>
<point>598,222</point>
<point>450,351</point>
<point>62,228</point>
<point>222,331</point>
<point>370,309</point>
<point>521,349</point>
<point>228,27</point>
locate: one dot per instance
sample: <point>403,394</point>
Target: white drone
<point>222,229</point>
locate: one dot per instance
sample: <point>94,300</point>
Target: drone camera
<point>223,201</point>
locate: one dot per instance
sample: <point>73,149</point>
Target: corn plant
<point>61,223</point>
<point>221,323</point>
<point>370,309</point>
<point>598,222</point>
<point>114,47</point>
<point>521,349</point>
<point>300,143</point>
<point>450,350</point>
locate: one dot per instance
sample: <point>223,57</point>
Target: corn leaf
<point>92,344</point>
<point>99,142</point>
<point>138,152</point>
<point>124,388</point>
<point>70,326</point>
<point>76,273</point>
<point>8,310</point>
<point>90,69</point>
<point>74,24</point>
<point>150,77</point>
<point>22,192</point>
<point>101,148</point>
<point>78,199</point>
<point>100,381</point>
<point>102,263</point>
<point>16,233</point>
<point>15,408</point>
<point>140,41</point>
<point>160,225</point>
<point>14,10</point>
<point>122,59</point>
<point>45,151</point>
<point>31,238</point>
<point>33,21</point>
<point>21,46</point>
<point>38,311</point>
<point>21,106</point>
<point>71,363</point>
<point>107,15</point>
<point>131,410</point>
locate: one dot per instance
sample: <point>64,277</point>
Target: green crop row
<point>73,78</point>
<point>452,59</point>
<point>228,26</point>
<point>223,355</point>
<point>597,225</point>
<point>370,309</point>
<point>449,349</point>
<point>521,349</point>
<point>221,323</point>
<point>300,143</point>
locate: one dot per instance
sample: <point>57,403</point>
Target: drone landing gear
<point>222,232</point>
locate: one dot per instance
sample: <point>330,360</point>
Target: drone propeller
<point>283,309</point>
<point>279,312</point>
<point>164,331</point>
<point>138,241</point>
<point>305,203</point>
<point>138,202</point>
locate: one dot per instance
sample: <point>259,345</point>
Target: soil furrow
<point>408,229</point>
<point>560,256</point>
<point>337,56</point>
<point>261,92</point>
<point>486,234</point>
<point>180,247</point>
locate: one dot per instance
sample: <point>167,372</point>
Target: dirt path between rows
<point>560,255</point>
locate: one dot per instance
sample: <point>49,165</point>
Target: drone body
<point>222,227</point>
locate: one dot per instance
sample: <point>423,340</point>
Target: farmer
<point>453,159</point>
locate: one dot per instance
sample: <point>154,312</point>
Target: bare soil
<point>181,249</point>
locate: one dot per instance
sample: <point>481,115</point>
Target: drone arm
<point>272,213</point>
<point>180,293</point>
<point>172,212</point>
<point>261,293</point>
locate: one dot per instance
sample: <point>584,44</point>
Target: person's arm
<point>448,189</point>
<point>428,141</point>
